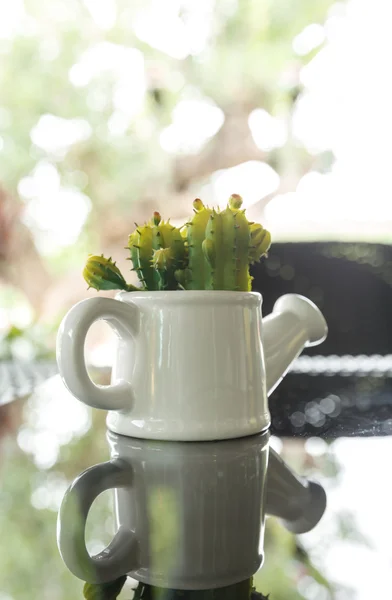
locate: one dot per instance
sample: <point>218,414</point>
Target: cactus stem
<point>189,249</point>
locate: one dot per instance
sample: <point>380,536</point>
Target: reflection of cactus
<point>213,252</point>
<point>243,590</point>
<point>102,274</point>
<point>157,251</point>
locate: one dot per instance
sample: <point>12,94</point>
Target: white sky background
<point>346,109</point>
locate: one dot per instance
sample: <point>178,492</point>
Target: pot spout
<point>295,323</point>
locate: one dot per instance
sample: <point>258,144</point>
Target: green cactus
<point>140,246</point>
<point>221,246</point>
<point>197,275</point>
<point>102,274</point>
<point>212,251</point>
<point>231,244</point>
<point>157,251</point>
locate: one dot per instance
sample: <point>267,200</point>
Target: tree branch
<point>20,262</point>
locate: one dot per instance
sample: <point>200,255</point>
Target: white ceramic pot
<point>190,365</point>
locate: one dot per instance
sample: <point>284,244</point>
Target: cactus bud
<point>260,241</point>
<point>162,259</point>
<point>156,218</point>
<point>235,202</point>
<point>102,274</point>
<point>198,205</point>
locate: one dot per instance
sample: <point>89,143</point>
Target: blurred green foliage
<point>33,343</point>
<point>245,61</point>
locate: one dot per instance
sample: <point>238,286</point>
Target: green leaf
<point>104,591</point>
<point>13,333</point>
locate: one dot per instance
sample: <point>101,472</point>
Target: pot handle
<point>121,556</point>
<point>124,319</point>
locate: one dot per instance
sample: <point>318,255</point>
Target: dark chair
<point>344,386</point>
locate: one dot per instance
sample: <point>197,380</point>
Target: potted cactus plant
<point>210,384</point>
<point>212,251</point>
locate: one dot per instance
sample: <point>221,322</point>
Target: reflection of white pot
<point>190,365</point>
<point>189,515</point>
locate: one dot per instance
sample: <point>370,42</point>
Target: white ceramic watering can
<point>190,365</point>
